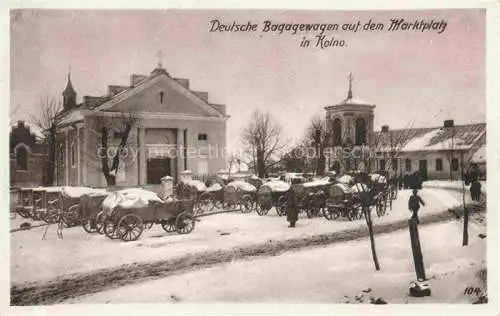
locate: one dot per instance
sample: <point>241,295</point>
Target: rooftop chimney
<point>448,123</point>
<point>385,128</point>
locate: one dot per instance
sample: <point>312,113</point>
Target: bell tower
<point>350,123</point>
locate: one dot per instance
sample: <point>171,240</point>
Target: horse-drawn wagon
<point>342,201</point>
<point>24,205</point>
<point>236,195</point>
<point>128,212</point>
<point>272,194</point>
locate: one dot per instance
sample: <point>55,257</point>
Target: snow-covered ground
<point>328,274</point>
<point>33,259</point>
<point>454,185</point>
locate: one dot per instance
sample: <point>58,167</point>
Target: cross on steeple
<point>160,56</point>
<point>349,93</point>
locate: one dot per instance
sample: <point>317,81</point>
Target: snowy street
<point>327,274</point>
<point>80,252</point>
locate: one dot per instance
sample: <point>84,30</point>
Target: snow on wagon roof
<point>242,185</point>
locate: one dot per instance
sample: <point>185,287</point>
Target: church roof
<point>353,101</point>
<point>459,137</point>
<point>93,103</point>
<point>350,100</point>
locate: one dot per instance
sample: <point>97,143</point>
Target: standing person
<point>475,191</point>
<point>414,205</point>
<point>292,213</point>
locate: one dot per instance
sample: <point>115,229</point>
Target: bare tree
<point>47,121</point>
<point>110,130</point>
<point>263,140</point>
<point>318,137</point>
<point>387,147</point>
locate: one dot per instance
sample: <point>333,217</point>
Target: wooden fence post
<point>416,249</point>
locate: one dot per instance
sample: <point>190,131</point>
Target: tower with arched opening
<point>350,123</point>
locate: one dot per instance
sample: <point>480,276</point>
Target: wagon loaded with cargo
<point>127,212</point>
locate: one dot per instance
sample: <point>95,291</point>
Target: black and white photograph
<point>246,156</point>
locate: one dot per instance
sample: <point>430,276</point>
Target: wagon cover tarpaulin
<point>200,186</point>
<point>75,192</point>
<point>130,198</point>
<point>277,186</point>
<point>242,185</point>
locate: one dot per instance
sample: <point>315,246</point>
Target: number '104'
<point>472,290</point>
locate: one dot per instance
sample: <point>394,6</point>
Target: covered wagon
<point>128,211</point>
<point>342,201</point>
<point>272,194</point>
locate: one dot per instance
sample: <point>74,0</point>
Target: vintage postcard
<point>191,157</point>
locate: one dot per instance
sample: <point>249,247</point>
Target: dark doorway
<point>157,168</point>
<point>422,169</point>
<point>336,167</point>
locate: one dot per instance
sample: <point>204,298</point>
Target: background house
<point>28,156</point>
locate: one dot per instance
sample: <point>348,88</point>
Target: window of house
<point>202,137</point>
<point>408,164</point>
<point>394,163</point>
<point>382,164</point>
<point>439,164</point>
<point>22,158</point>
<point>454,164</point>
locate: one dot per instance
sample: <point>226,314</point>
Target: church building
<point>156,126</point>
<point>434,152</point>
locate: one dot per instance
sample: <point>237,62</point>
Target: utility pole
<point>465,238</point>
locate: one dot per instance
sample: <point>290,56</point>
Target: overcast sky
<point>424,76</point>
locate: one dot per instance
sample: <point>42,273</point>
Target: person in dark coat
<point>475,191</point>
<point>292,213</point>
<point>414,205</point>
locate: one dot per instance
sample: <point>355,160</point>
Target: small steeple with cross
<point>349,93</point>
<point>159,67</point>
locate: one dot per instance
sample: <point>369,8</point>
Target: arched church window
<point>22,158</point>
<point>337,132</point>
<point>73,155</point>
<point>360,131</point>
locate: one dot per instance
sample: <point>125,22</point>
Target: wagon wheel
<point>262,209</point>
<point>168,226</point>
<point>109,229</point>
<point>89,225</point>
<point>51,217</point>
<point>380,207</point>
<point>35,215</point>
<point>99,222</point>
<point>350,214</point>
<point>331,213</point>
<point>358,209</point>
<point>281,206</point>
<point>22,212</point>
<point>247,204</point>
<point>184,224</point>
<point>206,203</point>
<point>71,216</point>
<point>130,227</point>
